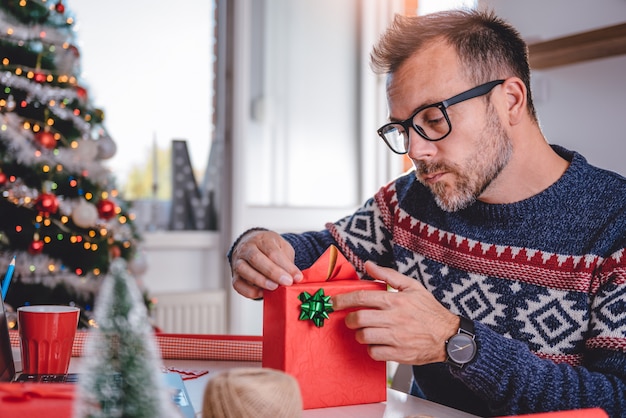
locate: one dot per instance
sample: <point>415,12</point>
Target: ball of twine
<point>252,392</point>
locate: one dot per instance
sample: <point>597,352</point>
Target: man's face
<point>459,168</point>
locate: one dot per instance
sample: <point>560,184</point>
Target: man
<point>507,253</point>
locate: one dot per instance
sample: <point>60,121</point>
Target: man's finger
<point>368,320</point>
<point>246,289</point>
<point>281,254</point>
<point>242,270</point>
<point>374,299</point>
<point>268,254</point>
<point>389,276</point>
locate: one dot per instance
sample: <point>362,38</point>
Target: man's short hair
<point>488,47</point>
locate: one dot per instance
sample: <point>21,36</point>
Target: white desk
<point>398,405</point>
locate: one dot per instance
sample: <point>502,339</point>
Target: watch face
<point>461,348</point>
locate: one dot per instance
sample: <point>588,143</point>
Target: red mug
<point>46,336</point>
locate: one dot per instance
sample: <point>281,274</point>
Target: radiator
<point>202,312</point>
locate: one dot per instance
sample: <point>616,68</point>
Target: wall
<point>182,261</point>
<point>580,106</point>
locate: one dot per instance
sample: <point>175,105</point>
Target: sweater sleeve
<point>513,380</point>
<point>309,246</point>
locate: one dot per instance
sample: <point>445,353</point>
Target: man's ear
<point>515,93</point>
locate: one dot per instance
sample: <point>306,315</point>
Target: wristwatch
<point>461,347</point>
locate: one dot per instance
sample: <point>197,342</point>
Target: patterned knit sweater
<point>544,280</point>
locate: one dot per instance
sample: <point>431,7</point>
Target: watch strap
<point>466,326</point>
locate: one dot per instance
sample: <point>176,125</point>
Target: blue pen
<point>7,278</point>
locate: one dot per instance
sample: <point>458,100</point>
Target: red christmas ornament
<point>3,178</point>
<point>46,139</point>
<point>40,77</point>
<point>35,247</point>
<point>74,50</point>
<point>81,92</point>
<point>115,251</point>
<point>47,203</point>
<point>59,7</point>
<point>106,209</point>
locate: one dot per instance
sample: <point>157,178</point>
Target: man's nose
<point>420,148</point>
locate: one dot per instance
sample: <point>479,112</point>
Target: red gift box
<point>50,400</point>
<point>331,367</point>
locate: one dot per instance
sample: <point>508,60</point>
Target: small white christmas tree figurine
<point>121,374</point>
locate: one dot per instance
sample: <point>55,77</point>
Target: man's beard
<point>472,176</point>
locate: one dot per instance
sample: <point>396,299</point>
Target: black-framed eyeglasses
<point>431,122</point>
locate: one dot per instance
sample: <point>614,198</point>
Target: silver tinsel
<point>21,143</point>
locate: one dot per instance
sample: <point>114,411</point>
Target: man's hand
<point>408,326</point>
<point>263,260</point>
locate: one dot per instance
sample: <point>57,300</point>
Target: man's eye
<point>432,116</point>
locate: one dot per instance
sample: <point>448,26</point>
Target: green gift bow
<point>316,307</point>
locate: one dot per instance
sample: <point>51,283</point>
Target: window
<point>149,66</point>
<point>302,140</point>
<point>307,106</point>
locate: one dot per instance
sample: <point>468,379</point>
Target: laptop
<point>8,372</point>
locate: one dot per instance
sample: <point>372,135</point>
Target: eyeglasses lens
<point>395,138</point>
<point>430,123</point>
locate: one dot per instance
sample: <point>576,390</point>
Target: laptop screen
<point>7,366</point>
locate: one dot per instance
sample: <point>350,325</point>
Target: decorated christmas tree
<point>60,212</point>
<point>121,374</point>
